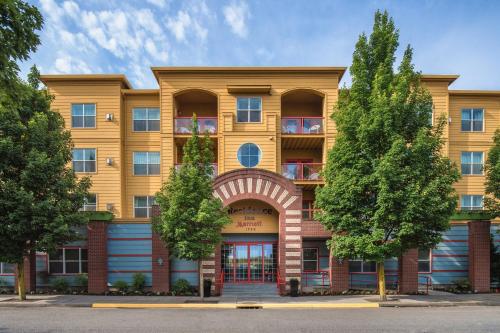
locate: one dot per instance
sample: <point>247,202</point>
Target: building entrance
<point>249,262</point>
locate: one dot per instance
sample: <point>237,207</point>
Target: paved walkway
<point>442,299</point>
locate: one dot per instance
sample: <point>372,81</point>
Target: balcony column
<point>339,274</point>
<point>97,257</point>
<point>479,255</point>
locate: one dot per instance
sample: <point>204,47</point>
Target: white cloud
<point>179,25</point>
<point>66,64</point>
<point>235,15</point>
<point>158,3</point>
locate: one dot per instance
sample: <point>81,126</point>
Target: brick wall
<point>479,256</point>
<point>408,272</point>
<point>97,257</point>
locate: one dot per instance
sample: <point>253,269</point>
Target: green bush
<point>461,285</point>
<point>82,280</point>
<point>3,283</point>
<point>138,281</point>
<point>60,285</point>
<point>182,287</point>
<point>120,285</point>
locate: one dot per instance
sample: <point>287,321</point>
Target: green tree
<point>39,193</point>
<point>191,218</point>
<point>492,200</point>
<point>387,187</point>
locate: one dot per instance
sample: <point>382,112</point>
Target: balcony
<point>183,125</point>
<point>214,169</point>
<point>302,125</point>
<point>302,171</point>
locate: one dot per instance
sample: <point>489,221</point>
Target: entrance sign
<point>252,216</point>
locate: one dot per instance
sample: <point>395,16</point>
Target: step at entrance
<point>250,290</point>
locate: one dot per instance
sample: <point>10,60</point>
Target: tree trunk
<point>200,269</point>
<point>381,281</point>
<point>21,287</point>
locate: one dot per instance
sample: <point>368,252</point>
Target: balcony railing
<point>214,169</point>
<point>183,125</point>
<point>302,171</point>
<point>302,125</point>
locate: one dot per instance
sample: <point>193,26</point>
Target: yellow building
<point>272,129</point>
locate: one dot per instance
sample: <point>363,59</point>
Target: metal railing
<point>426,285</point>
<point>280,283</point>
<point>360,280</point>
<point>316,279</point>
<point>183,125</point>
<point>302,171</point>
<point>302,125</point>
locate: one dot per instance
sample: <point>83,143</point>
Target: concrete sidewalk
<point>359,301</point>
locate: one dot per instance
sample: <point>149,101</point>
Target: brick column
<point>408,272</point>
<point>479,255</point>
<point>161,272</point>
<point>97,257</point>
<point>216,287</point>
<point>29,273</point>
<point>339,274</point>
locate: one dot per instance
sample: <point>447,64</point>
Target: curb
<point>436,304</point>
<point>45,305</point>
<point>235,306</point>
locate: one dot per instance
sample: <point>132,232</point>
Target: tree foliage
<point>387,187</point>
<point>492,200</point>
<point>191,218</point>
<point>39,193</point>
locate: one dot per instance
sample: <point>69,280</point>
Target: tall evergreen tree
<point>387,187</point>
<point>191,218</point>
<point>39,193</point>
<point>492,200</point>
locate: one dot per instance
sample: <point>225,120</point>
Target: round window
<point>249,155</point>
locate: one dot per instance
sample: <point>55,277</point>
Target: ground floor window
<point>6,269</point>
<point>361,266</point>
<point>68,261</point>
<point>310,261</point>
<point>424,260</point>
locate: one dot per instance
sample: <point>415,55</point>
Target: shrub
<point>139,281</point>
<point>82,280</point>
<point>60,285</point>
<point>182,287</point>
<point>120,285</point>
<point>3,283</point>
<point>461,285</point>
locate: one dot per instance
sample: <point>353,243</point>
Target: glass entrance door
<point>249,262</point>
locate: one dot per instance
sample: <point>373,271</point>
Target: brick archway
<point>280,193</point>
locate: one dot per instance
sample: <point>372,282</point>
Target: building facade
<point>271,129</point>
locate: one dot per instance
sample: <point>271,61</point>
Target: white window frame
<point>149,201</point>
<point>86,205</point>
<point>259,157</point>
<point>83,116</point>
<point>471,201</point>
<point>2,269</point>
<point>63,261</point>
<point>471,120</point>
<point>316,260</point>
<point>147,163</point>
<point>429,260</point>
<point>84,160</point>
<point>248,110</point>
<point>472,163</point>
<point>147,119</point>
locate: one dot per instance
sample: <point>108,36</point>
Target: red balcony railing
<point>214,168</point>
<point>302,171</point>
<point>302,125</point>
<point>183,125</point>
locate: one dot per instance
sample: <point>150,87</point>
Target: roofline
<point>141,91</point>
<point>86,77</point>
<point>493,93</point>
<point>450,78</point>
<point>251,69</point>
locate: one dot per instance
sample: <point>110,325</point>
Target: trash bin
<point>207,288</point>
<point>294,287</point>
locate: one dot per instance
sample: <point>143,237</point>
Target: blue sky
<point>119,36</point>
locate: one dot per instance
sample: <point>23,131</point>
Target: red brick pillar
<point>479,255</point>
<point>217,287</point>
<point>408,272</point>
<point>97,257</point>
<point>339,274</point>
<point>29,272</point>
<point>161,265</point>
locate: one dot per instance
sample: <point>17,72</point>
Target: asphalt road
<point>456,319</point>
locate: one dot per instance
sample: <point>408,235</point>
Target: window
<point>68,261</point>
<point>83,115</point>
<point>249,155</point>
<point>307,209</point>
<point>249,109</point>
<point>146,119</point>
<point>472,120</point>
<point>146,163</point>
<point>6,269</point>
<point>310,260</point>
<point>84,160</point>
<point>361,266</point>
<point>142,206</point>
<point>472,163</point>
<point>472,202</point>
<point>90,203</point>
<point>424,260</point>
